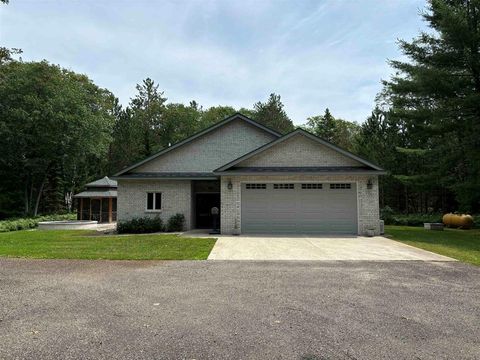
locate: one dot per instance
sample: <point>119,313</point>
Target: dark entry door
<point>95,205</point>
<point>204,204</point>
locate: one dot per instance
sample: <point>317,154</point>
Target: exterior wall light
<point>230,185</point>
<point>369,184</point>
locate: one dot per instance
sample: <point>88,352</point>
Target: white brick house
<point>261,181</point>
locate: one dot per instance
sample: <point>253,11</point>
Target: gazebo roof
<point>103,182</point>
<point>96,194</point>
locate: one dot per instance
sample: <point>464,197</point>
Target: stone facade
<point>298,150</point>
<point>176,198</point>
<point>211,150</point>
<point>367,199</point>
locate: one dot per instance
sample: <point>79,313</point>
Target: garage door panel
<point>299,210</point>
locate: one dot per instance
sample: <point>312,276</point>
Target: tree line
<point>59,130</point>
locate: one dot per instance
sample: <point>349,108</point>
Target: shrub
<point>176,223</point>
<point>412,219</point>
<point>386,214</point>
<point>32,222</point>
<point>141,225</point>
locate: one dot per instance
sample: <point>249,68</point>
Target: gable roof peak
<point>307,134</point>
<point>217,125</point>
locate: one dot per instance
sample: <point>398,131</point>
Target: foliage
<point>435,97</point>
<point>32,222</point>
<point>386,214</point>
<point>463,245</point>
<point>412,219</point>
<point>176,223</point>
<point>141,225</point>
<point>81,244</point>
<point>214,115</point>
<point>337,131</point>
<point>147,111</point>
<point>49,115</point>
<point>7,54</point>
<point>272,114</point>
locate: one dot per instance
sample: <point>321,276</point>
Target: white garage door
<point>299,208</point>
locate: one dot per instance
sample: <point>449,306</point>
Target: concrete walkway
<point>317,248</point>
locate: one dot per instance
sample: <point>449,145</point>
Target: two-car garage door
<point>299,208</point>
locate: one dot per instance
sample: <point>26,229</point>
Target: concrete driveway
<point>70,309</point>
<point>317,248</point>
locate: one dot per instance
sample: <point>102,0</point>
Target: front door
<point>95,207</point>
<point>204,204</point>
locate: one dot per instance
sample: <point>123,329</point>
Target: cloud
<point>315,55</point>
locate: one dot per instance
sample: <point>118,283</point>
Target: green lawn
<point>463,245</point>
<point>81,244</point>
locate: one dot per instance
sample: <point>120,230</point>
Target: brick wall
<point>176,198</point>
<point>211,150</point>
<point>368,206</point>
<point>299,150</point>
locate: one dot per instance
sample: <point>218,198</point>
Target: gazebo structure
<point>98,201</point>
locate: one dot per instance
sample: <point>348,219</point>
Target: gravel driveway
<point>238,310</point>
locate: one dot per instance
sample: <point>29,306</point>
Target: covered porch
<point>98,202</point>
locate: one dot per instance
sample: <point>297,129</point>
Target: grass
<point>463,245</point>
<point>82,244</point>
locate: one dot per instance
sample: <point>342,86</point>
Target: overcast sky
<point>315,54</point>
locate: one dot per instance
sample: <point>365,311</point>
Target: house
<point>262,182</point>
<point>98,201</point>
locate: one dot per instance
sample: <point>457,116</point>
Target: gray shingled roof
<point>103,182</point>
<point>300,169</point>
<point>93,194</point>
<point>169,175</point>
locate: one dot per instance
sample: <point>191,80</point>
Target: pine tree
<point>272,114</point>
<point>436,94</point>
<point>147,110</point>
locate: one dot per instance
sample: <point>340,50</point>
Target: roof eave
<point>127,177</point>
<point>315,173</point>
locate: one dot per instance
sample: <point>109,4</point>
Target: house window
<point>311,186</point>
<point>340,186</point>
<point>256,186</point>
<point>154,201</point>
<point>283,186</point>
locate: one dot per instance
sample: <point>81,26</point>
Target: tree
<point>436,94</point>
<point>215,114</point>
<point>7,55</point>
<point>126,146</point>
<point>55,128</point>
<point>180,122</point>
<point>272,114</point>
<point>147,112</point>
<point>339,132</point>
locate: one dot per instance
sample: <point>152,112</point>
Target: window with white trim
<point>256,186</point>
<point>337,186</point>
<point>283,186</point>
<point>312,186</point>
<point>154,201</point>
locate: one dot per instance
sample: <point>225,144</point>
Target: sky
<point>315,54</point>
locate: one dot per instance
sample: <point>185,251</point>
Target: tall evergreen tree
<point>147,112</point>
<point>272,114</point>
<point>436,94</point>
<point>338,131</point>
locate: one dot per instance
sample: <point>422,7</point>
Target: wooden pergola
<point>98,201</point>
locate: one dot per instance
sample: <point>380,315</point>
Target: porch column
<point>81,209</point>
<point>109,210</point>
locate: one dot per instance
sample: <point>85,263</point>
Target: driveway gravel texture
<point>75,309</point>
